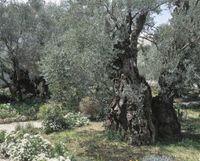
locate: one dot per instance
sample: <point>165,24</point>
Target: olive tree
<point>24,30</point>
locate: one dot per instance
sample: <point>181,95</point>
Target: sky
<point>163,17</point>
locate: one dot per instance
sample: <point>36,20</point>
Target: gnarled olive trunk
<point>130,111</point>
<point>165,118</point>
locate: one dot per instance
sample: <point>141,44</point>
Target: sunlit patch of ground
<point>90,143</point>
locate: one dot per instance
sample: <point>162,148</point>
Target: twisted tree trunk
<point>165,118</point>
<point>130,111</point>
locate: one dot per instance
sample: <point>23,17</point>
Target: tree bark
<point>130,111</point>
<point>16,79</point>
<point>165,118</point>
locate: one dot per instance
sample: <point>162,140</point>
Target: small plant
<point>99,158</point>
<point>28,128</point>
<point>2,136</point>
<point>112,135</point>
<point>102,114</point>
<point>60,149</point>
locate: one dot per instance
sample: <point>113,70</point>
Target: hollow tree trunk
<point>130,111</point>
<point>165,118</point>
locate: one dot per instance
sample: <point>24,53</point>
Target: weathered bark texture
<point>165,118</point>
<point>130,111</point>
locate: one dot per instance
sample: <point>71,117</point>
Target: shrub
<point>24,147</point>
<point>53,120</point>
<point>28,147</point>
<point>101,116</point>
<point>76,120</point>
<point>90,107</point>
<point>112,135</point>
<point>42,111</point>
<point>45,107</point>
<point>29,108</point>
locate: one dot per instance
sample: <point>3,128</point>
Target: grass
<point>190,120</point>
<point>91,143</point>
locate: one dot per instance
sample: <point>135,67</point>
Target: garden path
<point>11,126</point>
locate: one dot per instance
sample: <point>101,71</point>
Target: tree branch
<point>146,38</point>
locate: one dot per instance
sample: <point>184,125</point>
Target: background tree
<point>75,58</point>
<point>25,28</point>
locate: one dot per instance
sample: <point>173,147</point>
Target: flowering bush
<point>53,120</point>
<point>26,147</point>
<point>76,120</point>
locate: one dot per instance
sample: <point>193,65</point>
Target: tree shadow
<point>186,140</point>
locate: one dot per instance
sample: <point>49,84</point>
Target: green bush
<point>101,116</point>
<point>28,108</point>
<point>42,111</point>
<point>76,120</point>
<point>7,111</point>
<point>2,136</point>
<point>53,120</point>
<point>45,107</point>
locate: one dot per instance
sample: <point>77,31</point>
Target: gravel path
<point>11,127</point>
